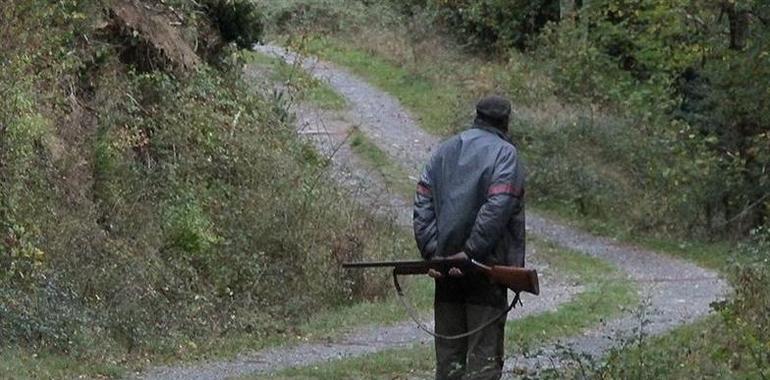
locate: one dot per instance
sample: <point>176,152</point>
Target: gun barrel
<point>440,263</point>
<point>381,264</point>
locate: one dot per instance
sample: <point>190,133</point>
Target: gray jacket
<point>470,198</point>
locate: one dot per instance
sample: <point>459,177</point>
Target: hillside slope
<point>150,204</point>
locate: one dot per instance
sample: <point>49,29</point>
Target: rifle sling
<point>413,314</point>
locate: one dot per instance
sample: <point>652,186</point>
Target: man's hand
<point>454,271</point>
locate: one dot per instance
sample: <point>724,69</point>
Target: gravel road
<point>674,291</point>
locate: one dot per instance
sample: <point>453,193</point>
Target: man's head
<point>494,111</point>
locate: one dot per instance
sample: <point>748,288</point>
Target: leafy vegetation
<point>149,209</point>
<point>238,21</point>
<point>731,344</point>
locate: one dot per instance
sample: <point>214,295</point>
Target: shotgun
<point>514,278</point>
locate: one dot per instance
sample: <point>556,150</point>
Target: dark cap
<point>495,109</point>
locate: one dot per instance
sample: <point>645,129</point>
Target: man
<point>469,203</point>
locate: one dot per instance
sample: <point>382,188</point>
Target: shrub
<point>238,21</point>
<point>747,316</point>
<point>732,343</point>
<point>139,210</point>
<point>499,23</point>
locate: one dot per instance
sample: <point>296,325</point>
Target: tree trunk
<point>568,10</point>
<point>739,25</point>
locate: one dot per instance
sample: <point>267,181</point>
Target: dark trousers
<point>458,308</point>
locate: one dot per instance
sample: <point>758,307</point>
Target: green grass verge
<point>434,104</point>
<point>20,364</point>
<point>315,91</point>
<point>330,323</point>
<point>607,293</point>
<point>396,178</point>
<point>383,312</point>
<point>714,255</point>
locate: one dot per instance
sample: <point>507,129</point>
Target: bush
<point>702,137</point>
<point>748,314</point>
<point>499,23</point>
<point>139,211</point>
<point>238,21</point>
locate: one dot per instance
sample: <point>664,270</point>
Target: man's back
<point>464,173</point>
<point>469,199</point>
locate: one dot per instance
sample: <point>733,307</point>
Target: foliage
<point>747,317</point>
<point>324,16</point>
<point>657,113</point>
<point>144,212</point>
<point>501,23</point>
<point>239,21</point>
<point>667,68</point>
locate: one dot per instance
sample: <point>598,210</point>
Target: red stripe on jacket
<point>423,189</point>
<point>505,188</point>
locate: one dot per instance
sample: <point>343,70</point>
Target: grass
<point>315,91</point>
<point>324,324</point>
<point>606,294</point>
<point>396,178</point>
<point>713,255</point>
<point>419,290</point>
<point>19,364</point>
<point>329,322</point>
<point>434,104</point>
<point>696,351</point>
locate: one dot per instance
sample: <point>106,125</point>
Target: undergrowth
<point>147,211</point>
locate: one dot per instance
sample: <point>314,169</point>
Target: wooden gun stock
<point>514,278</point>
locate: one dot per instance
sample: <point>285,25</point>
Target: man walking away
<point>469,204</point>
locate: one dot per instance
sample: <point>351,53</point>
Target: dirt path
<point>675,291</point>
<point>362,341</point>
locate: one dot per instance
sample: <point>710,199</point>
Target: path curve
<point>676,291</point>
